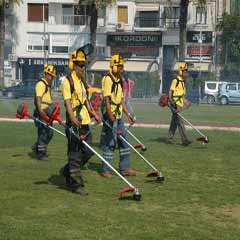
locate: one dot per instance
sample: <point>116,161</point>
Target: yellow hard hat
<point>116,60</point>
<point>182,67</point>
<point>50,69</point>
<point>77,55</point>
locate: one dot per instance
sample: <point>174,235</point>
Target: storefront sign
<point>139,39</point>
<point>197,36</point>
<point>40,61</point>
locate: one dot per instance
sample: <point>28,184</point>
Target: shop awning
<point>147,7</point>
<point>197,66</point>
<point>129,66</point>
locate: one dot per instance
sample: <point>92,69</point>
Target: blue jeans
<point>109,141</point>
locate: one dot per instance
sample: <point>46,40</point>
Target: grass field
<point>150,112</point>
<point>200,198</point>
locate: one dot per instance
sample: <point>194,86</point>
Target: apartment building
<point>146,32</point>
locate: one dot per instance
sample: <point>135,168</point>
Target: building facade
<point>144,31</point>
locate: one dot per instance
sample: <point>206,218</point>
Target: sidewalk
<point>234,128</point>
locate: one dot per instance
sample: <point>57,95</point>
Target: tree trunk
<point>2,36</point>
<point>93,29</point>
<point>183,28</point>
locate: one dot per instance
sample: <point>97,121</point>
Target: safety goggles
<point>81,65</point>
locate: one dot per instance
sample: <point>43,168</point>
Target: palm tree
<point>3,5</point>
<point>94,5</point>
<point>183,26</point>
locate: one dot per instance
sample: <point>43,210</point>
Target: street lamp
<point>200,40</point>
<point>21,62</point>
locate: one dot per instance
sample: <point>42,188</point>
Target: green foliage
<point>230,27</point>
<point>199,80</point>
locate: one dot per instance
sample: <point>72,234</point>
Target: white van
<point>211,89</point>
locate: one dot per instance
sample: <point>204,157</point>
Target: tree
<point>230,28</point>
<point>94,6</point>
<point>3,5</point>
<point>183,26</point>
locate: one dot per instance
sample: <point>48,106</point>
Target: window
<point>37,48</point>
<point>171,16</point>
<point>100,51</point>
<point>149,19</point>
<point>59,49</point>
<point>211,86</point>
<point>171,12</point>
<point>36,12</point>
<point>81,14</point>
<point>35,42</point>
<point>201,15</point>
<point>123,14</point>
<point>232,87</point>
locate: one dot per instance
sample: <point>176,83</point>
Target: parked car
<point>229,93</point>
<point>25,89</point>
<point>211,90</point>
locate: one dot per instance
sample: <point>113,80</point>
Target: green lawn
<point>199,199</point>
<point>151,112</point>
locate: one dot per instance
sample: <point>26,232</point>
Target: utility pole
<point>200,52</point>
<point>45,51</point>
<point>2,38</point>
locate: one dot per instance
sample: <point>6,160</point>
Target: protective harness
<point>178,98</point>
<point>114,89</point>
<point>79,107</point>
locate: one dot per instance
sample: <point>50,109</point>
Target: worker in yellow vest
<point>177,100</point>
<point>42,100</point>
<point>78,118</point>
<point>114,106</point>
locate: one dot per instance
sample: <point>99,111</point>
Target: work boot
<point>80,191</point>
<point>106,174</point>
<point>169,141</point>
<point>128,172</point>
<point>186,143</point>
<point>34,148</point>
<point>42,156</point>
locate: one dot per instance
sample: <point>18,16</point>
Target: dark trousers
<point>177,122</point>
<point>44,136</point>
<point>78,155</point>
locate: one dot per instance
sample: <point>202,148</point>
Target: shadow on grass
<point>17,155</point>
<point>32,155</point>
<point>96,167</point>
<point>160,139</point>
<point>128,198</point>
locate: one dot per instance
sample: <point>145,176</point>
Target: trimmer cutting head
<point>136,196</point>
<point>153,174</point>
<point>141,146</point>
<point>159,179</point>
<point>203,139</point>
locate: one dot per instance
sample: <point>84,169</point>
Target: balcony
<point>79,20</point>
<point>156,23</point>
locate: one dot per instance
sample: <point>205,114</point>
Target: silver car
<point>229,93</point>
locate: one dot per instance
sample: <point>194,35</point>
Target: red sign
<point>136,50</point>
<point>195,50</point>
